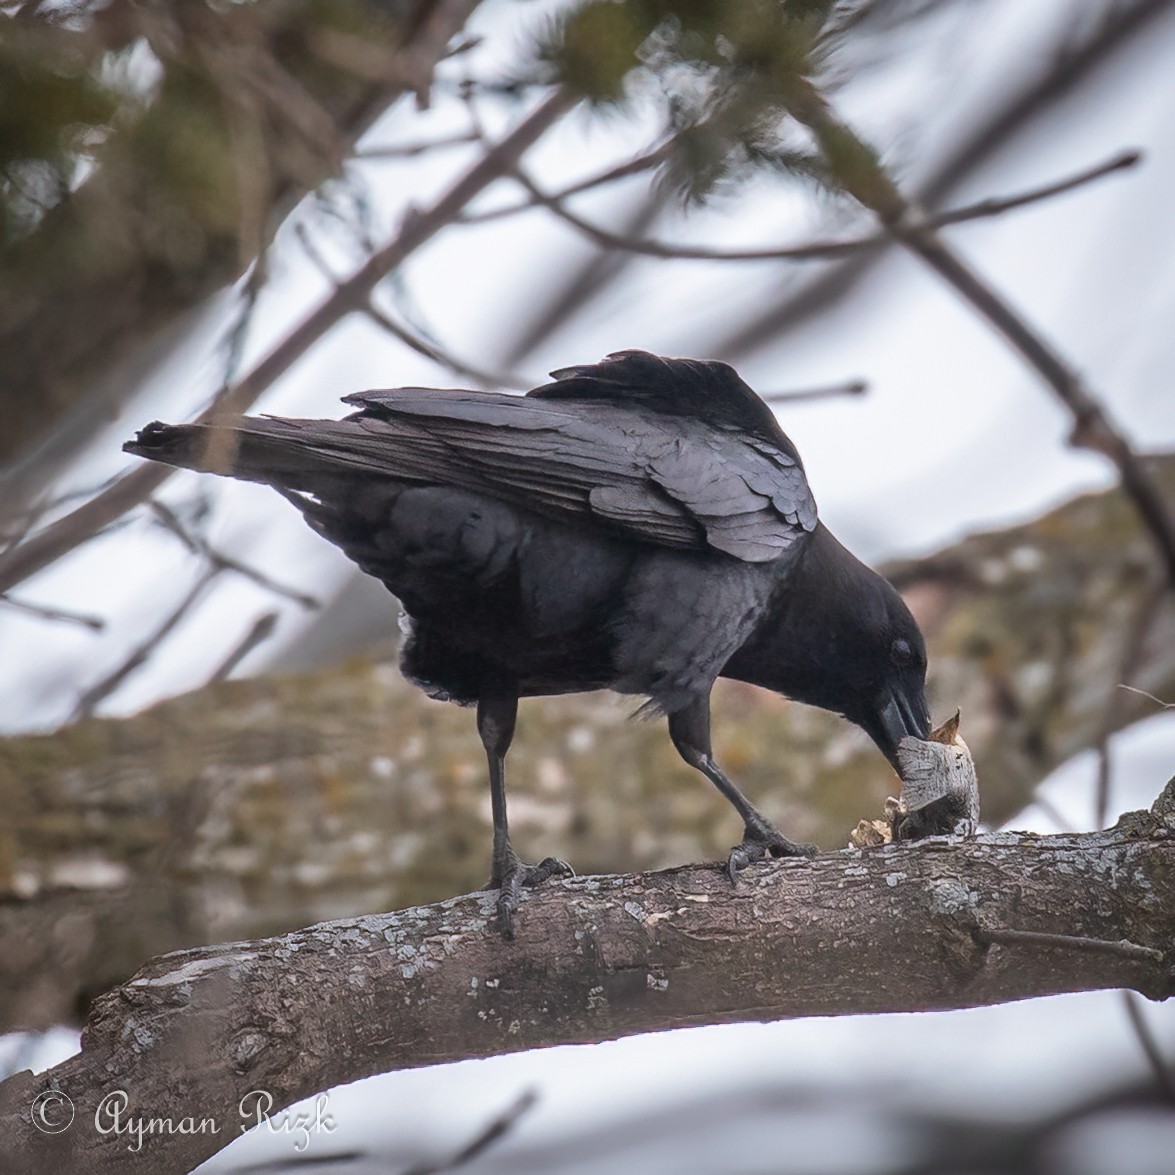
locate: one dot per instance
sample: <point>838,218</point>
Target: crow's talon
<point>546,868</point>
<point>757,843</point>
<point>514,878</point>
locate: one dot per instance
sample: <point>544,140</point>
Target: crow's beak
<point>900,712</point>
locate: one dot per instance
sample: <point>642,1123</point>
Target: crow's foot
<point>759,840</point>
<point>511,876</point>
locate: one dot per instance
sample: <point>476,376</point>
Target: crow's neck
<point>802,629</point>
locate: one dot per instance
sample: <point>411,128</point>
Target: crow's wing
<point>675,481</point>
<point>704,390</point>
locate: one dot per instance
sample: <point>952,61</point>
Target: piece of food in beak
<point>940,791</point>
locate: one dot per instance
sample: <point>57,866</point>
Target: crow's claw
<point>757,842</point>
<point>515,876</point>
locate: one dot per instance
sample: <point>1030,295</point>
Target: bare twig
<point>574,288</point>
<point>855,387</point>
<point>1150,1046</point>
<point>260,630</point>
<point>85,620</point>
<point>1063,823</point>
<point>622,171</point>
<point>1004,936</point>
<point>497,1129</point>
<point>200,546</point>
<point>1063,74</point>
<point>444,358</point>
<point>1136,635</point>
<point>423,147</point>
<point>87,520</point>
<point>818,249</point>
<point>1157,701</point>
<point>138,657</point>
<point>25,521</point>
<point>413,340</point>
<point>996,206</point>
<point>413,67</point>
<point>863,177</point>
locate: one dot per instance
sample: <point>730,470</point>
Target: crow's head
<point>888,699</point>
<point>873,665</point>
<point>843,639</point>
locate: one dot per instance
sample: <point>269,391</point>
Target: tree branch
<point>62,536</point>
<point>611,175</point>
<point>198,545</point>
<point>139,655</point>
<point>861,174</point>
<point>1064,71</point>
<point>85,311</point>
<point>889,929</point>
<point>276,801</point>
<point>811,250</point>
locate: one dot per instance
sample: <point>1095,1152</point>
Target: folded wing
<point>673,480</point>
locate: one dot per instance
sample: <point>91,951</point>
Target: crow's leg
<point>690,731</point>
<point>496,714</point>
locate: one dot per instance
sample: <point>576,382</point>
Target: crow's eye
<point>902,653</point>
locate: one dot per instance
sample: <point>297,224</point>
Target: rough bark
<point>252,807</point>
<point>943,923</point>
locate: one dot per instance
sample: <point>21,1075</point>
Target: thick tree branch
<point>940,924</point>
<point>258,805</point>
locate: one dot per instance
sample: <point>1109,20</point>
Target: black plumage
<point>641,524</point>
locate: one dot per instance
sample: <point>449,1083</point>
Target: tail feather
<point>285,453</point>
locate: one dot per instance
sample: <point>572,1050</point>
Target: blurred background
<point>264,207</point>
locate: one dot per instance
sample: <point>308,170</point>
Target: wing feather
<point>672,480</point>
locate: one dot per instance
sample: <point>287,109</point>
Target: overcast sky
<point>953,436</point>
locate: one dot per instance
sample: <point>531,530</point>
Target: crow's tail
<point>288,454</point>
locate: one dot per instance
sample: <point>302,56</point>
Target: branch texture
<point>898,928</point>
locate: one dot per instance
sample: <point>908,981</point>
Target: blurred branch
<point>1151,697</point>
<point>622,171</point>
<point>596,958</point>
<point>857,168</point>
<point>259,631</point>
<point>442,357</point>
<point>414,341</point>
<point>496,1130</point>
<point>1051,811</point>
<point>101,690</point>
<point>84,620</point>
<point>411,150</point>
<point>350,295</point>
<point>194,175</point>
<point>856,387</point>
<point>1150,1046</point>
<point>1132,651</point>
<point>819,249</point>
<point>1063,72</point>
<point>25,521</point>
<point>221,562</point>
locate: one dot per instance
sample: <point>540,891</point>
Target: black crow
<point>641,524</point>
